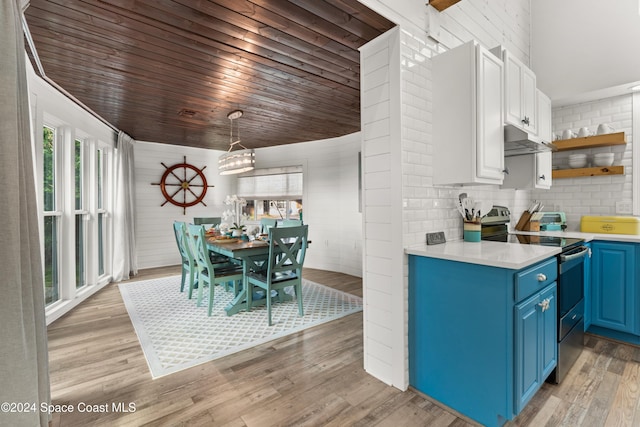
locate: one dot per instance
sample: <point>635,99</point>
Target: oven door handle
<point>583,252</point>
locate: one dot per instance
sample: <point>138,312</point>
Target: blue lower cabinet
<point>463,321</point>
<point>614,291</point>
<point>536,343</point>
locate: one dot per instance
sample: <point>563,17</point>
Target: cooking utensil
<point>483,207</point>
<point>469,208</point>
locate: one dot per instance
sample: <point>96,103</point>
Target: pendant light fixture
<point>237,161</point>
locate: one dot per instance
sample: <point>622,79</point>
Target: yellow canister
<point>610,224</point>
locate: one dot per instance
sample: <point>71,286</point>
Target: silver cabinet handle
<point>544,304</point>
<point>541,277</point>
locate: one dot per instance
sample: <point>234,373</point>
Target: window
<point>272,193</point>
<point>75,213</point>
<point>278,209</point>
<point>51,216</point>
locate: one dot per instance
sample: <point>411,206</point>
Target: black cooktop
<point>559,242</point>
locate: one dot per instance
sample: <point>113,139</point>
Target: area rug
<point>175,334</point>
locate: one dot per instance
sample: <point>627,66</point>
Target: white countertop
<point>507,255</point>
<point>494,254</point>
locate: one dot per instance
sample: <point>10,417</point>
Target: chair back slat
<point>291,222</point>
<point>198,245</point>
<point>179,229</point>
<point>287,249</point>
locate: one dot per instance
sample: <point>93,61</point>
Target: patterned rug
<point>175,334</point>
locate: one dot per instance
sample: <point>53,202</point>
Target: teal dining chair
<point>266,224</point>
<point>213,220</point>
<point>291,222</point>
<point>189,266</point>
<point>287,248</point>
<point>208,273</point>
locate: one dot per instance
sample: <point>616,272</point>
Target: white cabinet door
<point>490,133</point>
<point>543,170</point>
<point>520,93</point>
<point>529,100</point>
<point>544,117</point>
<point>513,90</point>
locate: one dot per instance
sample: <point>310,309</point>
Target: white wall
<point>593,195</point>
<point>330,170</point>
<point>580,46</point>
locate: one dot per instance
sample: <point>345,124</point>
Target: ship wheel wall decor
<point>183,185</point>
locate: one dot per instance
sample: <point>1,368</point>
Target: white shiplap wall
<point>396,123</point>
<point>384,296</point>
<point>593,195</point>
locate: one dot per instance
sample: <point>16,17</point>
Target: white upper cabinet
<point>468,116</point>
<point>520,92</point>
<point>533,170</point>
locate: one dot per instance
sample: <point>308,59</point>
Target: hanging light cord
<point>232,143</point>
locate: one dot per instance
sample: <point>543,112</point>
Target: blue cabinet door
<point>536,344</point>
<point>613,288</point>
<point>527,351</point>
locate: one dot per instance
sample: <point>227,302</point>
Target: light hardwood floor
<point>314,378</point>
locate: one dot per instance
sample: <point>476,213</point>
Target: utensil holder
<point>471,231</point>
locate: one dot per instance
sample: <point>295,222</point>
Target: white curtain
<point>24,370</point>
<point>125,263</point>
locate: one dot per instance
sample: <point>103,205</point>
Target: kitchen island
<point>482,325</point>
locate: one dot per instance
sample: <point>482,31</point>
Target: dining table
<point>253,255</point>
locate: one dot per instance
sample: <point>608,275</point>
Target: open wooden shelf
<point>591,141</point>
<point>581,172</point>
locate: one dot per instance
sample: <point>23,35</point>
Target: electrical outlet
<point>435,238</point>
<point>624,207</point>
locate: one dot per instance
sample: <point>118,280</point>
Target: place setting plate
<point>225,240</point>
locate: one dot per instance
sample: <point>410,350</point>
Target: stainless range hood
<point>518,142</point>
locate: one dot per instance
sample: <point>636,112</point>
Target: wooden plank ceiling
<point>170,71</point>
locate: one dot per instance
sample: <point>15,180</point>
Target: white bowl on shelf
<point>603,159</point>
<point>578,163</point>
